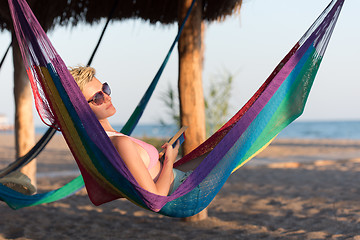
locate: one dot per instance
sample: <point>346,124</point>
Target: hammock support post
<point>24,122</point>
<point>191,96</point>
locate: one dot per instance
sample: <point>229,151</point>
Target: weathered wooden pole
<point>192,108</point>
<point>24,122</point>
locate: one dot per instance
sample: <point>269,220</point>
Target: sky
<point>248,46</point>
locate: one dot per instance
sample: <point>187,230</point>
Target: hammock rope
<point>116,2</point>
<point>5,54</point>
<point>279,101</point>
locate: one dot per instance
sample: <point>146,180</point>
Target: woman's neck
<point>106,125</point>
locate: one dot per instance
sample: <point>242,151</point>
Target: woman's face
<point>104,110</point>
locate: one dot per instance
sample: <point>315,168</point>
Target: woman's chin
<point>112,110</point>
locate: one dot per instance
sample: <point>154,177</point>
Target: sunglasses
<point>99,97</point>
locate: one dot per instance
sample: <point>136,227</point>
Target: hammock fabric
<point>279,101</point>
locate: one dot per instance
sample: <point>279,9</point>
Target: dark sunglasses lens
<point>106,89</point>
<point>99,98</point>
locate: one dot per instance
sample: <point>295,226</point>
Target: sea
<point>296,130</point>
<point>344,130</point>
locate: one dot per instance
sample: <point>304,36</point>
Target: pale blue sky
<point>249,46</point>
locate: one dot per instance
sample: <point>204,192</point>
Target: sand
<point>295,189</point>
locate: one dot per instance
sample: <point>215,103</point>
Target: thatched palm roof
<point>72,12</point>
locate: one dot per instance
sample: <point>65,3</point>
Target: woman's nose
<point>107,98</point>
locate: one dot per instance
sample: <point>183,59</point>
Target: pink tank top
<point>150,149</point>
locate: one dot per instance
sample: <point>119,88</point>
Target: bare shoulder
<point>122,143</point>
<point>120,140</point>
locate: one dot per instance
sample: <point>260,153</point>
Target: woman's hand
<point>170,152</point>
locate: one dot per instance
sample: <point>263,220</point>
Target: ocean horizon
<point>296,130</point>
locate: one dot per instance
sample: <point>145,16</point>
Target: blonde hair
<point>82,75</point>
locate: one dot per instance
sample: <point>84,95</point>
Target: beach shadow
<point>255,203</point>
<point>292,203</point>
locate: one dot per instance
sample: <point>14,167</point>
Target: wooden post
<point>192,108</point>
<point>24,123</point>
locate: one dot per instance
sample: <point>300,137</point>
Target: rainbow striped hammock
<point>279,101</point>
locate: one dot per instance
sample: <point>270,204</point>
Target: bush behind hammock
<point>217,102</point>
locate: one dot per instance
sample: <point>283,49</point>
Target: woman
<point>141,159</point>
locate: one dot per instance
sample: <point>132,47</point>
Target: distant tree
<point>171,101</point>
<point>217,102</point>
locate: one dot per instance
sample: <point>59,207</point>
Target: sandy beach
<point>295,189</point>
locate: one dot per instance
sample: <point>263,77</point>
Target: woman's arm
<point>128,152</point>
